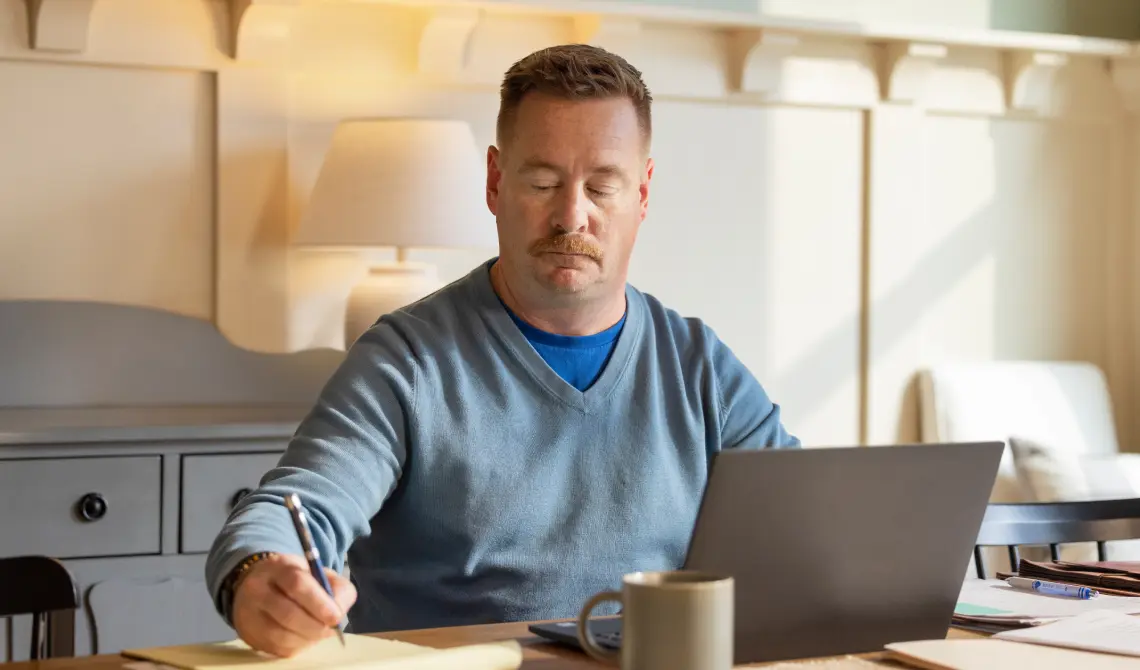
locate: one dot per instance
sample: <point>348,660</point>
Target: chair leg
<point>61,634</point>
<point>39,636</point>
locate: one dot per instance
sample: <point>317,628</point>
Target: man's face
<point>569,190</point>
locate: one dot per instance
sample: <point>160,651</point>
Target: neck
<point>579,317</point>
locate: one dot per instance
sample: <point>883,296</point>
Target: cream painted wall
<point>835,239</point>
<point>1011,259</point>
<point>95,161</point>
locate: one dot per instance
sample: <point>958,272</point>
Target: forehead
<point>600,125</point>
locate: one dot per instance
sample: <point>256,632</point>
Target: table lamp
<point>399,183</point>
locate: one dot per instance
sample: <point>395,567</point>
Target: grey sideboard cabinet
<point>123,450</point>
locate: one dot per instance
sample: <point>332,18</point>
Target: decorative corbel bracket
<point>607,32</point>
<point>755,59</point>
<point>1125,74</point>
<point>260,29</point>
<point>445,40</point>
<point>59,25</point>
<point>1029,78</point>
<point>905,68</point>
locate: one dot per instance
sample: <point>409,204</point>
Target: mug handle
<point>586,636</point>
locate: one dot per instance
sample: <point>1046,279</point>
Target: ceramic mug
<point>673,619</point>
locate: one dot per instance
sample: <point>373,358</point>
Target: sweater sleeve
<point>344,460</point>
<point>749,419</point>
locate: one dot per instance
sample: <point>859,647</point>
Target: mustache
<point>567,244</point>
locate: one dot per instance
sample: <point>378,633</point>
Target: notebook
<point>994,654</point>
<point>361,652</point>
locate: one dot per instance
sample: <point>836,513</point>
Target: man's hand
<point>279,608</point>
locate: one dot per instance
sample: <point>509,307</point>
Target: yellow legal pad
<point>360,652</point>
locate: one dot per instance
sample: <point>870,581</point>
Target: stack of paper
<point>361,652</point>
<point>1107,632</point>
<point>994,602</point>
<point>993,654</point>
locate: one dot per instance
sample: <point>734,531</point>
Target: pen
<point>1052,588</point>
<point>301,523</point>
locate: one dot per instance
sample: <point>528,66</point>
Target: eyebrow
<point>535,165</point>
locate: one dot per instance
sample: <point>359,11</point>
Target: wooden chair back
<point>1014,525</point>
<point>44,588</point>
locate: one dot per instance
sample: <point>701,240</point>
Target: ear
<point>494,175</point>
<point>644,189</point>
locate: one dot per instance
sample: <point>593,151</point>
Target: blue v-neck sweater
<point>466,482</point>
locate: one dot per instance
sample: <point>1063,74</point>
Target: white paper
<point>1104,631</point>
<point>1011,603</point>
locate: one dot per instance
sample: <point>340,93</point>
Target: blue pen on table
<point>1052,588</point>
<point>301,523</point>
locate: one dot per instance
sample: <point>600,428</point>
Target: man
<point>517,441</point>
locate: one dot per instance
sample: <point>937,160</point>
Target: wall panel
<point>106,180</point>
<point>998,251</point>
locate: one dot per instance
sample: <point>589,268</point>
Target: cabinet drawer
<point>211,484</point>
<point>81,507</point>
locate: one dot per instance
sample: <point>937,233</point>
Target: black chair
<point>44,588</point>
<point>1037,524</point>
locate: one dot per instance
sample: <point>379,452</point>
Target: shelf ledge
<point>877,32</point>
<point>607,32</point>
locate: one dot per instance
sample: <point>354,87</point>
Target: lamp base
<point>387,288</point>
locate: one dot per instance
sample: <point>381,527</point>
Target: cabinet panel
<point>211,484</point>
<point>80,507</point>
<point>165,609</point>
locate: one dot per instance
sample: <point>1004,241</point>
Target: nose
<point>572,214</point>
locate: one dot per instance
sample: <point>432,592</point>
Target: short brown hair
<point>573,72</point>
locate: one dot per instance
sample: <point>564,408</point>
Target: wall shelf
<point>993,39</point>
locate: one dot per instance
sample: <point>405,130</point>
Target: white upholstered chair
<point>1056,419</point>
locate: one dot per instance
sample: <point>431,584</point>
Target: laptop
<point>836,550</point>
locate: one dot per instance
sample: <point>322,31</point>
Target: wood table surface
<point>537,654</point>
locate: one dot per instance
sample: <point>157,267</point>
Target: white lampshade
<point>400,183</point>
<point>397,183</point>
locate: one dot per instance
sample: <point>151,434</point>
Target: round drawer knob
<point>241,493</point>
<point>92,507</point>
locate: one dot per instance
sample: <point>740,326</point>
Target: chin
<point>567,280</point>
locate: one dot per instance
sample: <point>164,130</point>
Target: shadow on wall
<point>251,241</point>
<point>1019,276</point>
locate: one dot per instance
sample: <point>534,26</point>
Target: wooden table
<point>537,654</point>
